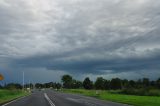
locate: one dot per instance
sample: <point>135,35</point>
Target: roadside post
<point>1,77</point>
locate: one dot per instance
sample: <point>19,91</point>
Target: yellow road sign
<point>1,77</point>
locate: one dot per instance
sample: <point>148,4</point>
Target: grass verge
<point>115,97</point>
<point>8,95</point>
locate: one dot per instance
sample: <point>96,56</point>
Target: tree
<point>48,85</point>
<point>146,82</point>
<point>158,83</point>
<point>77,84</point>
<point>99,84</point>
<point>107,84</point>
<point>58,85</point>
<point>1,87</point>
<point>132,84</point>
<point>116,83</point>
<point>29,85</point>
<point>139,84</point>
<point>153,84</point>
<point>67,81</point>
<point>125,83</point>
<point>13,86</point>
<point>38,85</point>
<point>87,84</point>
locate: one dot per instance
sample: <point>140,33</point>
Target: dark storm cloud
<point>84,37</point>
<point>94,66</point>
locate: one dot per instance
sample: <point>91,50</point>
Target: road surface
<point>53,98</point>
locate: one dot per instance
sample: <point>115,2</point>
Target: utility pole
<point>29,84</point>
<point>23,80</point>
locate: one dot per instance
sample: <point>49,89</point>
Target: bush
<point>13,86</point>
<point>141,92</point>
<point>154,92</point>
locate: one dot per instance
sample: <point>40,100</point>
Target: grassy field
<point>121,98</point>
<point>7,95</point>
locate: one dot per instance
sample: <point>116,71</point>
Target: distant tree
<point>30,85</point>
<point>58,85</point>
<point>77,84</point>
<point>13,86</point>
<point>125,83</point>
<point>132,83</point>
<point>107,84</point>
<point>116,83</point>
<point>1,86</point>
<point>158,83</point>
<point>73,83</point>
<point>100,83</point>
<point>153,84</point>
<point>87,83</point>
<point>38,85</point>
<point>139,84</point>
<point>146,82</point>
<point>48,85</point>
<point>67,81</point>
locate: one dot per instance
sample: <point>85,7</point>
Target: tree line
<point>113,84</point>
<point>69,82</point>
<point>12,86</point>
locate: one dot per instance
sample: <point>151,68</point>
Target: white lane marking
<point>14,101</point>
<point>49,100</point>
<point>90,104</point>
<point>74,100</point>
<point>81,101</point>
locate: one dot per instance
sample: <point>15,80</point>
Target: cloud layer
<point>113,38</point>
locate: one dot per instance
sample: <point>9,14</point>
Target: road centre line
<point>48,99</point>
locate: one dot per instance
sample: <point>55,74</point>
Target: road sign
<point>1,77</point>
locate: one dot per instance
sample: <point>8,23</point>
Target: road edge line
<point>12,101</point>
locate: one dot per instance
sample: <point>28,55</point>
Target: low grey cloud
<point>79,37</point>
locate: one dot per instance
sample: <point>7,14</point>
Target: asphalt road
<point>53,98</point>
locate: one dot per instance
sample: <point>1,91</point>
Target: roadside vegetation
<point>116,97</point>
<point>142,92</point>
<point>8,95</point>
<point>141,87</point>
<point>10,92</point>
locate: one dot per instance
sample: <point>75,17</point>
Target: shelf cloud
<point>109,38</point>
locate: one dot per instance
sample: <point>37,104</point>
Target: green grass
<point>121,98</point>
<point>141,92</point>
<point>8,95</point>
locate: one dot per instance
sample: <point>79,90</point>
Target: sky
<point>46,39</point>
